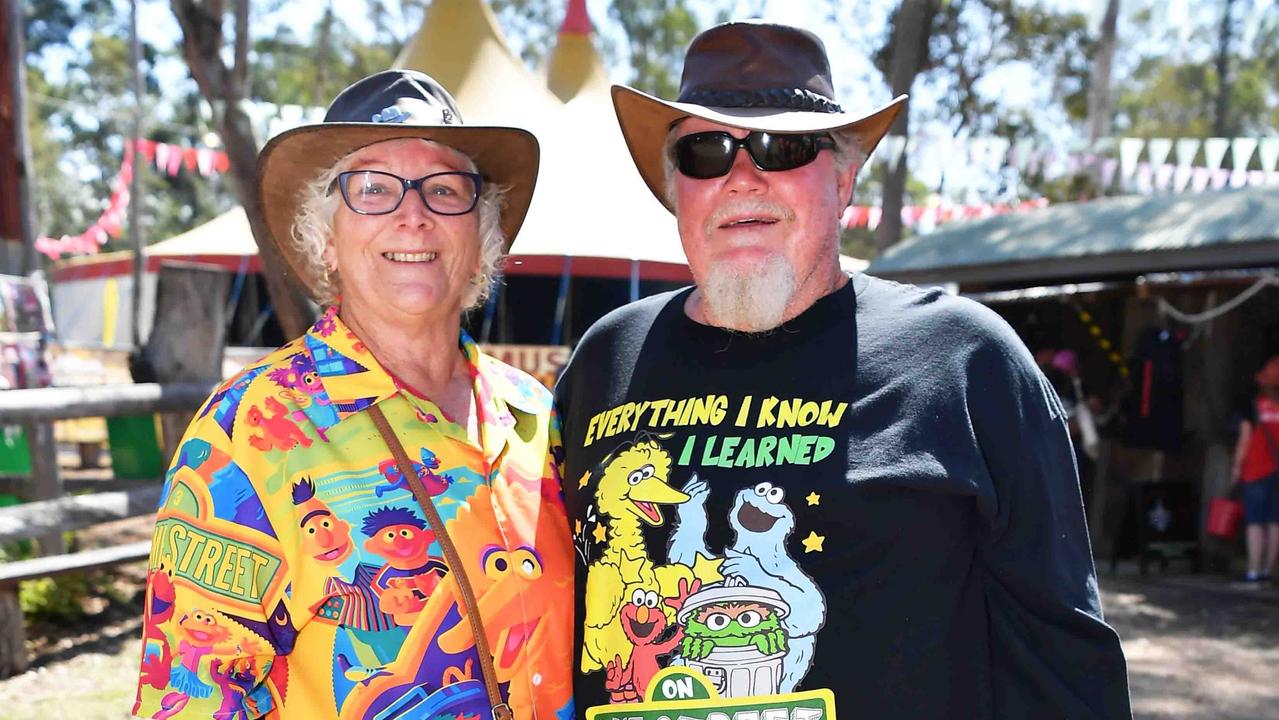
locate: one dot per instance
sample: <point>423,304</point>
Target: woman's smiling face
<point>412,260</point>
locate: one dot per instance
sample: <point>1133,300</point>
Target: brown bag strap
<point>501,711</point>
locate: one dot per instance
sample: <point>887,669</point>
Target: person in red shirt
<point>1257,470</point>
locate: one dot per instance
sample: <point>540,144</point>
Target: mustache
<point>756,206</point>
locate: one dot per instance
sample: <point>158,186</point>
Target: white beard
<point>749,299</point>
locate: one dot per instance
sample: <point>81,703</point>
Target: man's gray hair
<point>313,228</point>
<point>848,151</point>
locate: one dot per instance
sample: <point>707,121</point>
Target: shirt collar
<point>354,379</point>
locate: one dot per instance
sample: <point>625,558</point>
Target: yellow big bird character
<point>632,488</point>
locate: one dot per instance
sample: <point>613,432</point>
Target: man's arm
<point>1052,654</point>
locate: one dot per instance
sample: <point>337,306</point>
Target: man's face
<point>762,246</point>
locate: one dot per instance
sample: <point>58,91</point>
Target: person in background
<point>1256,470</point>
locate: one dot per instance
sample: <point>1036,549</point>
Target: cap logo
<point>391,115</point>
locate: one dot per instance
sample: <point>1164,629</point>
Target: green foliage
<point>658,33</point>
<point>967,40</point>
<point>20,550</point>
<point>1174,86</point>
<point>292,70</point>
<point>530,25</point>
<point>54,600</point>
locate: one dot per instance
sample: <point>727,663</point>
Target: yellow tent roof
<point>460,45</point>
<point>226,234</point>
<point>574,66</point>
<point>590,201</point>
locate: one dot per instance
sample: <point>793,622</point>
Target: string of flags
<point>168,158</point>
<point>1099,335</point>
<point>1130,164</point>
<point>926,217</point>
<point>171,159</point>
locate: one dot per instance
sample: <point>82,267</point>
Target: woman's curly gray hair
<point>848,151</point>
<point>313,228</point>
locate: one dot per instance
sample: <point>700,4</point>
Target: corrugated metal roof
<point>1227,228</point>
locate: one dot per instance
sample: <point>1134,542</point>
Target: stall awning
<point>1111,237</point>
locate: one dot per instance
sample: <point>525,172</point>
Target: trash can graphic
<point>737,671</point>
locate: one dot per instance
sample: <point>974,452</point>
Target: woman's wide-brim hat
<point>751,75</point>
<point>389,105</point>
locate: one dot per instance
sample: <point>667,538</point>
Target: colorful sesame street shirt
<point>293,575</point>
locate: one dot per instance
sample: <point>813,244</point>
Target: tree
<point>1100,105</point>
<point>954,45</point>
<point>901,61</point>
<point>531,26</point>
<point>1221,124</point>
<point>226,87</point>
<point>658,33</point>
<point>1218,83</point>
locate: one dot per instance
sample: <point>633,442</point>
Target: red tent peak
<point>576,21</point>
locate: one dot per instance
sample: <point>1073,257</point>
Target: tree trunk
<point>1099,105</point>
<point>188,335</point>
<point>225,88</point>
<point>1221,110</point>
<point>285,290</point>
<point>912,27</point>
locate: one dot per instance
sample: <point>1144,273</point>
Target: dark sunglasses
<point>372,192</point>
<point>711,154</point>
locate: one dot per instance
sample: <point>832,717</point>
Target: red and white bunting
<point>925,217</point>
<point>168,158</point>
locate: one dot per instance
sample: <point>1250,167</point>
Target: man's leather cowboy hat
<point>746,74</point>
<point>389,105</point>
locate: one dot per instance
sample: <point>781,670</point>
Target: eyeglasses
<point>711,154</point>
<point>371,192</point>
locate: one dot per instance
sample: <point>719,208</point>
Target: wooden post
<point>46,483</point>
<point>13,632</point>
<point>188,337</point>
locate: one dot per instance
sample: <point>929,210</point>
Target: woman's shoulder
<point>255,372</point>
<point>262,376</point>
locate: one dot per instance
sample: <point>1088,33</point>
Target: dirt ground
<point>1195,649</point>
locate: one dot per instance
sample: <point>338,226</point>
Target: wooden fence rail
<point>65,403</point>
<point>73,512</point>
<point>51,512</point>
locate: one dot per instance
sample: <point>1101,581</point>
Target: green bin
<point>15,458</point>
<point>135,447</point>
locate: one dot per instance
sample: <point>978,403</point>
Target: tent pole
<point>561,303</point>
<point>490,309</point>
<point>135,190</point>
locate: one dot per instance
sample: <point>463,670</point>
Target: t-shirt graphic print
<point>741,612</point>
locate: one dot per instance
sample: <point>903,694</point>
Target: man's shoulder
<point>629,321</point>
<point>932,314</point>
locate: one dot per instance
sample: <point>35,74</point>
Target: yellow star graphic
<point>814,499</point>
<point>600,534</point>
<point>577,527</point>
<point>707,569</point>
<point>813,543</point>
<point>585,476</point>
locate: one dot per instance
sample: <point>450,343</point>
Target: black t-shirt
<point>876,499</point>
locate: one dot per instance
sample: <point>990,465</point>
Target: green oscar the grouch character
<point>732,625</point>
